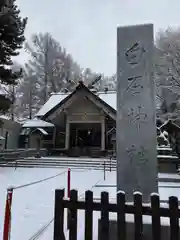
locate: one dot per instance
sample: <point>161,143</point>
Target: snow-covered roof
<point>51,103</point>
<point>55,99</point>
<point>8,118</point>
<point>37,123</point>
<point>109,98</point>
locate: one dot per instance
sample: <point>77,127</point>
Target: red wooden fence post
<point>69,183</point>
<point>7,217</point>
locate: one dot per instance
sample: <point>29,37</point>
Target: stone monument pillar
<point>136,125</point>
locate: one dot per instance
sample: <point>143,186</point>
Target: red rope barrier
<point>7,217</point>
<point>39,181</point>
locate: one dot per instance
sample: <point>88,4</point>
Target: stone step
<point>67,160</point>
<point>87,163</point>
<point>64,161</point>
<point>62,165</point>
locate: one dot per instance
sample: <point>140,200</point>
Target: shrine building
<point>78,123</point>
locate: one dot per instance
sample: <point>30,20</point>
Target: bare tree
<point>27,92</point>
<point>51,69</point>
<point>167,69</point>
<point>53,66</point>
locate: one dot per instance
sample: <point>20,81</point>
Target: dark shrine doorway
<point>85,135</point>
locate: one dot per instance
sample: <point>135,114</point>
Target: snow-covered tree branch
<point>167,69</point>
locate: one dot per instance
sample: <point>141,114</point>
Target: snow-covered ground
<point>33,206</point>
<point>166,189</point>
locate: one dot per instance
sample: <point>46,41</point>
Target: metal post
<point>104,170</point>
<point>110,164</point>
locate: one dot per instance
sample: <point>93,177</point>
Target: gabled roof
<point>107,101</point>
<point>56,100</point>
<point>170,125</point>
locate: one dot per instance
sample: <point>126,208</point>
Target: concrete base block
<point>147,231</point>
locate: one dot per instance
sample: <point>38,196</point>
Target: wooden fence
<point>121,208</point>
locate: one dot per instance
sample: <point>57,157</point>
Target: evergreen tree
<point>12,28</point>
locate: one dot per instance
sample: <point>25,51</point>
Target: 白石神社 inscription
<point>136,125</point>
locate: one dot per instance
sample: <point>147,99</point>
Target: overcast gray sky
<point>87,28</point>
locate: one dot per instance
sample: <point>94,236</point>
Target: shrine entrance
<point>85,135</point>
